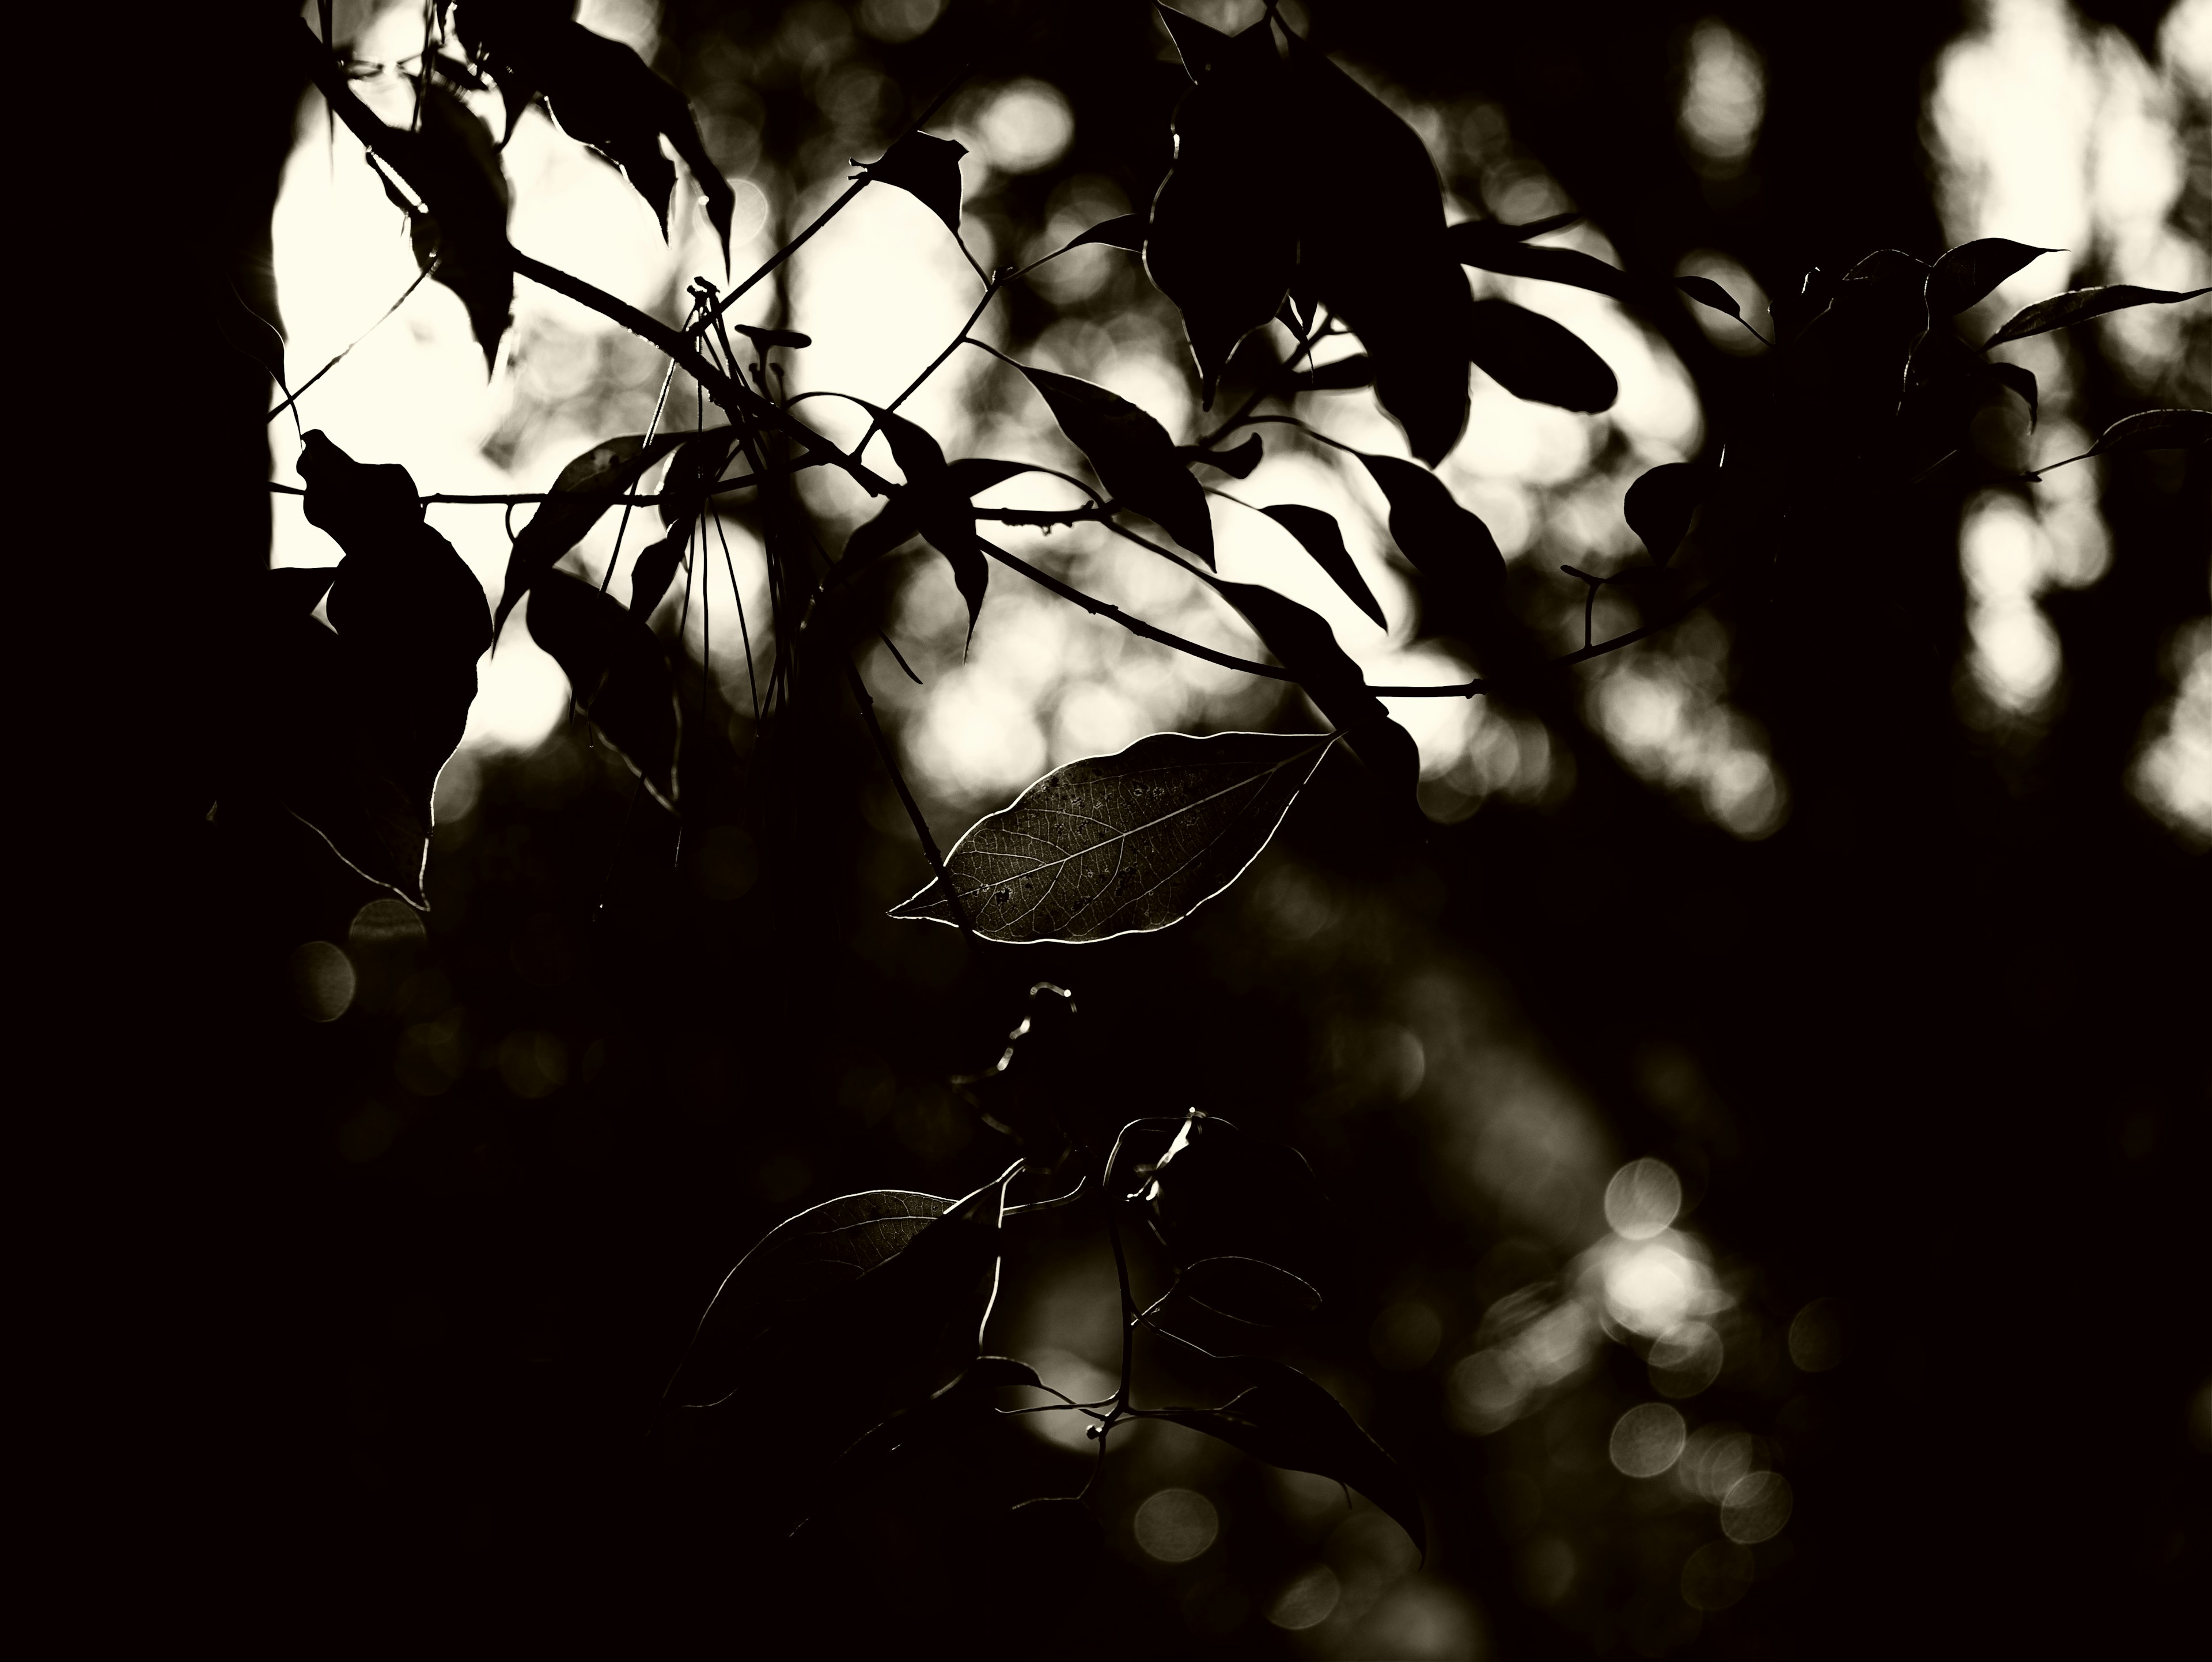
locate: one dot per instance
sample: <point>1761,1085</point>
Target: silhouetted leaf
<point>1288,1421</point>
<point>1515,259</point>
<point>2155,429</point>
<point>1220,1196</point>
<point>1237,462</point>
<point>1432,531</point>
<point>1344,376</point>
<point>656,569</point>
<point>617,671</point>
<point>2018,378</point>
<point>254,323</point>
<point>1124,231</point>
<point>2080,305</point>
<point>1302,639</point>
<point>1132,454</point>
<point>1706,292</point>
<point>586,489</point>
<point>1532,357</point>
<point>768,338</point>
<point>793,1266</point>
<point>1966,274</point>
<point>927,168</point>
<point>1889,266</point>
<point>1121,844</point>
<point>698,462</point>
<point>1249,1290</point>
<point>293,591</point>
<point>1483,235</point>
<point>452,161</point>
<point>1661,503</point>
<point>1319,534</point>
<point>1223,237</point>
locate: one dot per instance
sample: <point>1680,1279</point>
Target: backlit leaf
<point>1249,1290</point>
<point>2018,378</point>
<point>1432,531</point>
<point>1223,1196</point>
<point>452,161</point>
<point>656,571</point>
<point>1966,274</point>
<point>1320,535</point>
<point>585,489</point>
<point>1706,292</point>
<point>1237,462</point>
<point>1288,1421</point>
<point>1133,456</point>
<point>1119,844</point>
<point>1532,357</point>
<point>1124,231</point>
<point>617,671</point>
<point>1482,235</point>
<point>1344,375</point>
<point>2080,305</point>
<point>1661,503</point>
<point>927,169</point>
<point>1515,259</point>
<point>2155,429</point>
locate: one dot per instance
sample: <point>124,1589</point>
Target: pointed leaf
<point>1967,273</point>
<point>1344,375</point>
<point>254,323</point>
<point>1432,531</point>
<point>1320,535</point>
<point>1706,292</point>
<point>2018,378</point>
<point>1532,357</point>
<point>1200,45</point>
<point>892,527</point>
<point>1124,231</point>
<point>940,508</point>
<point>617,671</point>
<point>1249,1290</point>
<point>1288,1421</point>
<point>1221,1195</point>
<point>1132,454</point>
<point>2080,305</point>
<point>293,591</point>
<point>2155,429</point>
<point>698,462</point>
<point>927,168</point>
<point>1483,235</point>
<point>586,489</point>
<point>1890,266</point>
<point>1515,258</point>
<point>1126,844</point>
<point>1237,462</point>
<point>656,571</point>
<point>1662,503</point>
<point>453,162</point>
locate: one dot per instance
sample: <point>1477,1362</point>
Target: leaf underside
<point>1120,845</point>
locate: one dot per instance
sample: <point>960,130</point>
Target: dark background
<point>364,1355</point>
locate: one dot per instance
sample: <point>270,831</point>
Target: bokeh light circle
<point>1647,1439</point>
<point>1685,1359</point>
<point>322,979</point>
<point>1643,1198</point>
<point>1308,1601</point>
<point>1756,1507</point>
<point>1717,1575</point>
<point>1176,1526</point>
<point>1816,1336</point>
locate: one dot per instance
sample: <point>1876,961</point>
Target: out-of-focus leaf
<point>1300,638</point>
<point>1432,531</point>
<point>768,338</point>
<point>255,325</point>
<point>1372,247</point>
<point>1237,462</point>
<point>462,240</point>
<point>508,37</point>
<point>1320,535</point>
<point>2080,305</point>
<point>1223,237</point>
<point>1288,1421</point>
<point>794,1265</point>
<point>1124,231</point>
<point>1249,1290</point>
<point>585,489</point>
<point>1532,357</point>
<point>897,521</point>
<point>1890,266</point>
<point>1661,503</point>
<point>1483,235</point>
<point>1966,274</point>
<point>927,169</point>
<point>1223,1197</point>
<point>293,591</point>
<point>699,461</point>
<point>1121,844</point>
<point>1515,259</point>
<point>2018,378</point>
<point>1706,292</point>
<point>1134,458</point>
<point>459,73</point>
<point>1344,376</point>
<point>2155,429</point>
<point>617,671</point>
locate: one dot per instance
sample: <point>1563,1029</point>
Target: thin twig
<point>906,796</point>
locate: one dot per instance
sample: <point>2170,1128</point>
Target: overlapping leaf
<point>1661,503</point>
<point>1472,245</point>
<point>2019,379</point>
<point>1132,454</point>
<point>453,164</point>
<point>1243,1218</point>
<point>1532,357</point>
<point>1288,1421</point>
<point>617,671</point>
<point>927,169</point>
<point>1121,844</point>
<point>2080,305</point>
<point>1966,274</point>
<point>586,488</point>
<point>1442,540</point>
<point>2155,429</point>
<point>1237,462</point>
<point>1320,535</point>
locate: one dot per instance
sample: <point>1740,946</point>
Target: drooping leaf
<point>1219,1196</point>
<point>1966,274</point>
<point>585,489</point>
<point>1249,1290</point>
<point>1470,246</point>
<point>1320,535</point>
<point>1124,231</point>
<point>1134,458</point>
<point>253,322</point>
<point>2155,429</point>
<point>1432,531</point>
<point>1532,357</point>
<point>793,1266</point>
<point>897,522</point>
<point>452,161</point>
<point>1706,292</point>
<point>927,169</point>
<point>617,671</point>
<point>1223,237</point>
<point>1300,638</point>
<point>1483,235</point>
<point>697,463</point>
<point>1661,504</point>
<point>1288,1421</point>
<point>2080,305</point>
<point>2018,378</point>
<point>941,510</point>
<point>1890,266</point>
<point>1121,844</point>
<point>656,571</point>
<point>1237,462</point>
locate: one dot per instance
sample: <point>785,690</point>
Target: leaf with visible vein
<point>2155,429</point>
<point>2080,305</point>
<point>1122,844</point>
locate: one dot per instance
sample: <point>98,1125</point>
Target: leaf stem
<point>906,796</point>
